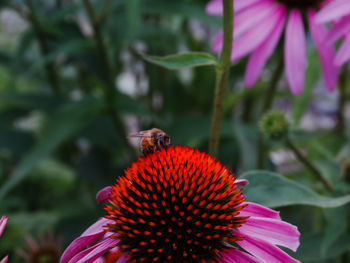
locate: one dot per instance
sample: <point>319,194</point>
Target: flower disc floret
<point>176,205</point>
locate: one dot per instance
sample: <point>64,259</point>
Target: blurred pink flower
<point>258,27</point>
<point>3,222</point>
<point>181,205</point>
<point>337,11</point>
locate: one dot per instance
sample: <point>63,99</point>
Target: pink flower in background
<point>337,11</point>
<point>3,222</point>
<point>258,27</point>
<point>181,205</point>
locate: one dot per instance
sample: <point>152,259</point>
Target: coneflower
<point>338,12</point>
<point>181,205</point>
<point>258,27</point>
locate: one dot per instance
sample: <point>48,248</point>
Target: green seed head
<point>274,125</point>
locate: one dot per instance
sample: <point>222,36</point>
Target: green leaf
<point>64,124</point>
<point>273,190</point>
<point>184,60</point>
<point>336,218</point>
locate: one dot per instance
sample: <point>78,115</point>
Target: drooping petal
<point>89,255</point>
<point>252,38</point>
<point>257,210</point>
<point>343,53</point>
<point>218,42</point>
<point>239,5</point>
<point>334,10</point>
<point>249,17</point>
<point>326,52</point>
<point>241,182</point>
<point>3,222</point>
<point>236,256</point>
<point>103,195</point>
<point>264,251</point>
<point>273,231</point>
<point>339,29</point>
<point>94,232</point>
<point>214,7</point>
<point>260,55</point>
<point>295,52</point>
<point>5,259</point>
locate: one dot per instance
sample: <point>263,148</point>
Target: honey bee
<point>152,140</point>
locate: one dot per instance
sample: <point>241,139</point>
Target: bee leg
<point>147,150</point>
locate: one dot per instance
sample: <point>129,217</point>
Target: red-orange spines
<point>175,203</point>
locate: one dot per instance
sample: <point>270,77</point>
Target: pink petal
<point>91,254</point>
<point>239,5</point>
<point>264,251</point>
<point>339,29</point>
<point>334,10</point>
<point>5,259</point>
<point>343,53</point>
<point>103,195</point>
<point>244,20</point>
<point>236,256</point>
<point>256,210</point>
<point>217,44</point>
<point>94,232</point>
<point>256,35</point>
<point>260,55</point>
<point>3,222</point>
<point>294,52</point>
<point>241,182</point>
<point>214,7</point>
<point>326,53</point>
<point>274,231</point>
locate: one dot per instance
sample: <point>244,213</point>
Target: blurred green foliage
<point>74,84</point>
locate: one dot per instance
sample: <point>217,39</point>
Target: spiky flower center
<point>300,4</point>
<point>176,205</point>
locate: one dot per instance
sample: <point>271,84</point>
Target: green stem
<point>109,88</point>
<point>342,100</point>
<point>222,72</point>
<point>270,94</point>
<point>308,164</point>
<point>44,49</point>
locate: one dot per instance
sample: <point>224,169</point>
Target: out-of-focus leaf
<point>190,130</point>
<point>273,190</point>
<point>310,244</point>
<point>246,139</point>
<point>73,47</point>
<point>30,101</point>
<point>178,61</point>
<point>312,75</point>
<point>64,124</point>
<point>181,8</point>
<point>16,142</point>
<point>134,17</point>
<point>336,218</point>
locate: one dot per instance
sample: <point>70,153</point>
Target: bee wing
<point>140,134</point>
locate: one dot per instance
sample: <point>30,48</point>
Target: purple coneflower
<point>337,11</point>
<point>181,205</point>
<point>258,27</point>
<point>3,222</point>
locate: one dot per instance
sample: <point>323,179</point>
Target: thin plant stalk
<point>267,104</point>
<point>300,156</point>
<point>222,73</point>
<point>109,89</point>
<point>44,49</point>
<point>342,99</point>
